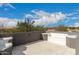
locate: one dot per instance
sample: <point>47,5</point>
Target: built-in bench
<point>60,38</point>
<point>6,45</point>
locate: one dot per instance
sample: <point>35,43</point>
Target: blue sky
<point>48,14</point>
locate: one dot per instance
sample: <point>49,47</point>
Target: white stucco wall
<point>57,38</point>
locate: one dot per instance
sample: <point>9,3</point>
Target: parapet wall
<point>24,37</point>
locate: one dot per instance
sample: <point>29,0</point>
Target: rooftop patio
<point>37,43</point>
<point>42,48</point>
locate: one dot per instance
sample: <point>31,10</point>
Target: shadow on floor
<point>34,42</point>
<point>19,50</point>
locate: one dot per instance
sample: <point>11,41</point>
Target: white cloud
<point>69,14</point>
<point>28,15</point>
<point>46,18</point>
<point>7,4</point>
<point>74,25</point>
<point>6,22</point>
<point>10,6</point>
<point>40,13</point>
<point>76,18</point>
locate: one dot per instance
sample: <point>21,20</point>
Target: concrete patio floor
<point>42,48</point>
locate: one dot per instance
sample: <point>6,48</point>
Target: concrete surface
<point>42,48</point>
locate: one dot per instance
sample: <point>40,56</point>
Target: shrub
<point>23,27</point>
<point>61,28</point>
